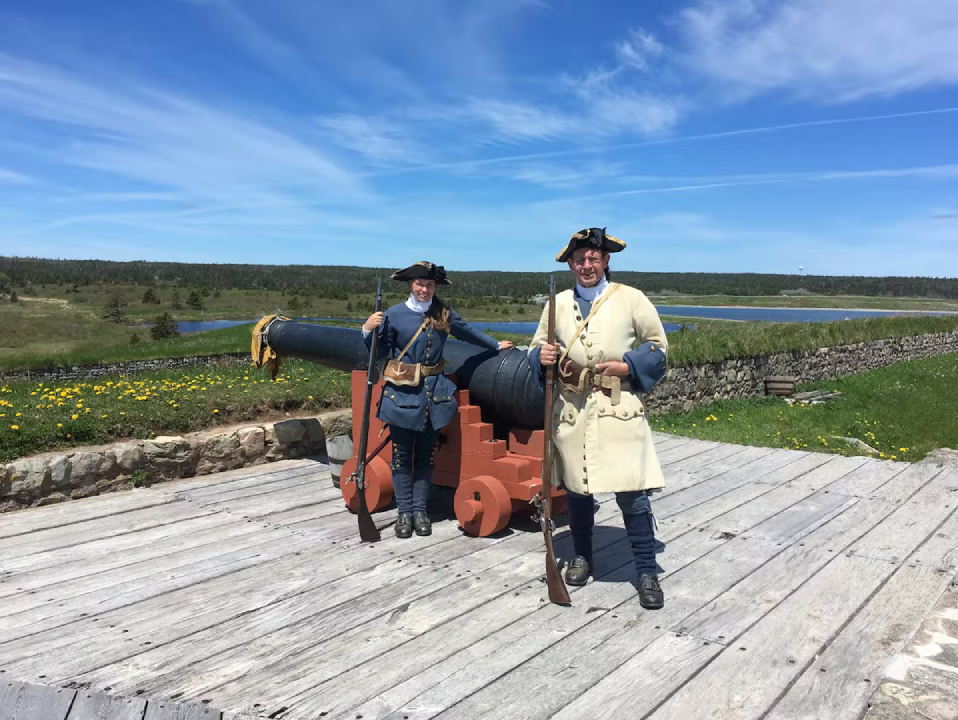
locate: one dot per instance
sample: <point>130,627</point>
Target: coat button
<point>582,337</point>
<point>589,356</point>
<point>588,344</point>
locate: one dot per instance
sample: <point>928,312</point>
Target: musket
<point>368,532</point>
<point>558,593</point>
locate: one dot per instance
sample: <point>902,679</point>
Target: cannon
<point>491,453</point>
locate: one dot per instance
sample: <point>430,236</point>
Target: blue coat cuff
<point>538,371</point>
<point>647,365</point>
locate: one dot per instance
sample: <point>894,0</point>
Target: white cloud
<point>377,139</point>
<point>10,177</point>
<point>639,50</point>
<point>167,141</point>
<point>828,50</point>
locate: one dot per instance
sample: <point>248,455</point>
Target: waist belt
<point>578,378</point>
<point>410,374</point>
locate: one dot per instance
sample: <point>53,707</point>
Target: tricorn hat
<point>590,238</point>
<point>423,271</point>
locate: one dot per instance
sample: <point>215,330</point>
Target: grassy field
<point>847,302</point>
<point>35,417</point>
<point>903,411</point>
<point>45,335</point>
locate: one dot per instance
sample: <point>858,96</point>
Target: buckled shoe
<point>577,573</point>
<point>404,525</point>
<point>651,596</point>
<point>422,523</point>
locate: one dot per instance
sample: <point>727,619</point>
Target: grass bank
<point>843,302</point>
<point>35,417</point>
<point>903,411</point>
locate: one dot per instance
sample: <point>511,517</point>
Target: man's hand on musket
<point>373,321</point>
<point>548,354</point>
<point>613,367</point>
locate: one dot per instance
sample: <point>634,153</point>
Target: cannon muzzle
<point>501,383</point>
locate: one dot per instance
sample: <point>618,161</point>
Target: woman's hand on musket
<point>505,344</point>
<point>613,367</point>
<point>548,354</point>
<point>373,321</point>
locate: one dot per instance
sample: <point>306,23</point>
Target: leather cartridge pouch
<point>401,373</point>
<point>573,376</point>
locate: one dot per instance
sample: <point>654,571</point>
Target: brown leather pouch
<point>574,377</point>
<point>400,373</point>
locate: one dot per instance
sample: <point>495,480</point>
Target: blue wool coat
<point>432,401</point>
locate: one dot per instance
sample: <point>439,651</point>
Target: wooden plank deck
<point>792,581</point>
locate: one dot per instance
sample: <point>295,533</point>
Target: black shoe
<point>578,571</point>
<point>422,524</point>
<point>404,526</point>
<point>650,592</point>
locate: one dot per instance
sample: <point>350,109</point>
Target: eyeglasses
<point>582,262</point>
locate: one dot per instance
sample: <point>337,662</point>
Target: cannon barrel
<point>501,383</point>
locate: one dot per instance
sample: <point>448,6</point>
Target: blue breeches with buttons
<point>412,463</point>
<point>637,518</point>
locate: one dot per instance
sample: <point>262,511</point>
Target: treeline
<point>338,281</point>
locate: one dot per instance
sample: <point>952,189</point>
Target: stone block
<point>51,499</point>
<point>30,478</point>
<point>315,440</point>
<point>171,456</point>
<point>90,467</point>
<point>60,473</point>
<point>130,457</point>
<point>252,441</point>
<point>5,480</point>
<point>219,452</point>
<point>286,432</point>
<point>337,422</point>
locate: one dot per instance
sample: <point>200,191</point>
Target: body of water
<point>796,315</point>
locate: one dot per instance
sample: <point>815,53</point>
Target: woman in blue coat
<point>417,398</point>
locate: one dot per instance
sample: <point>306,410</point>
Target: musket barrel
<point>501,383</point>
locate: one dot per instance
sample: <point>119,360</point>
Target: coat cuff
<point>538,371</point>
<point>647,365</point>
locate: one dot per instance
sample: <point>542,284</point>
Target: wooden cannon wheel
<point>483,506</point>
<point>379,485</point>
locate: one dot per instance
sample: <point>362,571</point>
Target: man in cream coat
<point>611,349</point>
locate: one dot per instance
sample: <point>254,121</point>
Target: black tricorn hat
<point>591,238</point>
<point>423,271</point>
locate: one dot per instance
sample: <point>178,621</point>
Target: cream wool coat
<point>604,447</point>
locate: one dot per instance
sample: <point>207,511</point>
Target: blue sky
<point>741,135</point>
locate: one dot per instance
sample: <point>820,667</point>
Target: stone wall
<point>686,387</point>
<point>78,372</point>
<point>55,477</point>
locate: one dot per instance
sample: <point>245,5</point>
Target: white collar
<point>420,307</point>
<point>589,294</point>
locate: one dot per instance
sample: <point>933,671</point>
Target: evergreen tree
<point>175,303</point>
<point>114,311</point>
<point>164,326</point>
<point>150,297</point>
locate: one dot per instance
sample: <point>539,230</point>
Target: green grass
<point>35,417</point>
<point>903,410</point>
<point>862,302</point>
<point>713,342</point>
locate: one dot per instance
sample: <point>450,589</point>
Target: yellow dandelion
<point>59,425</point>
<point>215,411</point>
<point>74,416</point>
<point>14,427</point>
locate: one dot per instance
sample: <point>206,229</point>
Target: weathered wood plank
<point>141,561</point>
<point>673,455</point>
<point>387,682</point>
<point>327,608</point>
<point>97,706</point>
<point>840,680</point>
<point>163,710</point>
<point>940,551</point>
<point>318,482</point>
<point>497,687</point>
<point>89,607</point>
<point>100,529</point>
<point>655,673</point>
<point>911,524</point>
<point>229,477</point>
<point>708,459</point>
<point>778,646</point>
<point>26,701</point>
<point>261,476</point>
<point>903,486</point>
<point>31,520</point>
<point>869,478</point>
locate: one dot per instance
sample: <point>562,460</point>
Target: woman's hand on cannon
<point>373,321</point>
<point>548,354</point>
<point>505,344</point>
